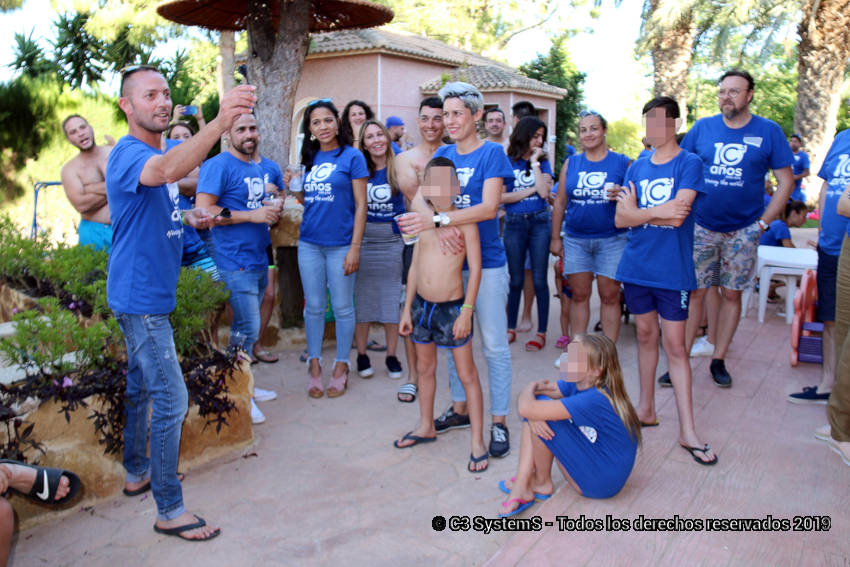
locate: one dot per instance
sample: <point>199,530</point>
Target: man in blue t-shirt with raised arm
<point>482,168</point>
<point>231,186</point>
<point>737,148</point>
<point>141,284</point>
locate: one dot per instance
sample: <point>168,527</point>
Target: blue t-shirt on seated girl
<point>473,169</point>
<point>734,163</point>
<point>147,241</point>
<point>523,179</point>
<point>589,213</point>
<point>381,204</point>
<point>662,256</point>
<point>239,186</point>
<point>836,172</point>
<point>328,218</point>
<point>600,450</point>
<point>775,234</point>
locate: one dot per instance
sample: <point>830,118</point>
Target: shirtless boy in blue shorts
<point>437,313</point>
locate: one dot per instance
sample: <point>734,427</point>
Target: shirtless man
<point>83,180</point>
<point>409,166</point>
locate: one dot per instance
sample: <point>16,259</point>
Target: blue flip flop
<point>524,505</point>
<point>409,436</point>
<point>537,495</point>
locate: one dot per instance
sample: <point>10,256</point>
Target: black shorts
<point>826,279</point>
<point>406,260</point>
<point>433,322</point>
<point>672,305</point>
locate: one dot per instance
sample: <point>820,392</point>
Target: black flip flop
<point>147,486</point>
<point>475,460</point>
<point>702,450</point>
<point>47,482</point>
<point>188,527</point>
<point>415,438</point>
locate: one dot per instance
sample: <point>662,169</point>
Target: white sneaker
<point>824,432</point>
<point>702,347</point>
<point>558,362</point>
<point>256,415</point>
<point>262,395</point>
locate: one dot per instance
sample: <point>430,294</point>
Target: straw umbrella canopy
<point>278,38</point>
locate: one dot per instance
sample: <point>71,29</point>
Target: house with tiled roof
<point>393,71</point>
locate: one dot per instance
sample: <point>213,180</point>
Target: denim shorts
<point>601,256</point>
<point>671,304</point>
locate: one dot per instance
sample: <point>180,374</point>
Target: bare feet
<point>524,326</point>
<point>701,452</point>
<point>516,498</point>
<point>204,532</point>
<point>478,461</point>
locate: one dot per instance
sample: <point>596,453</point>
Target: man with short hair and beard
<point>141,284</point>
<point>83,179</point>
<point>737,149</point>
<point>231,187</point>
<point>494,124</point>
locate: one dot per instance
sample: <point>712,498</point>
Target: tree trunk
<point>822,59</point>
<point>226,67</point>
<point>275,60</point>
<point>672,50</point>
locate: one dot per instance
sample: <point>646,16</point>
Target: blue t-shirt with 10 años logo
<point>589,213</point>
<point>662,256</point>
<point>381,204</point>
<point>329,197</point>
<point>836,172</point>
<point>473,169</point>
<point>239,186</point>
<point>735,161</point>
<point>147,241</point>
<point>523,179</point>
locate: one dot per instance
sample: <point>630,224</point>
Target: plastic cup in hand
<point>296,178</point>
<point>609,191</point>
<point>408,239</point>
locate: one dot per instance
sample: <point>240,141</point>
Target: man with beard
<point>84,181</point>
<point>737,149</point>
<point>409,167</point>
<point>231,187</point>
<point>494,124</point>
<point>141,284</point>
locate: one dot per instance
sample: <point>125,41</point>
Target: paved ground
<point>324,486</point>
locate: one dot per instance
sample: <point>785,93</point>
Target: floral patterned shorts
<point>727,259</point>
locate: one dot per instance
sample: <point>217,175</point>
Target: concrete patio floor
<point>323,484</point>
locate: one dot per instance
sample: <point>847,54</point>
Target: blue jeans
<point>246,293</point>
<point>153,374</point>
<point>492,326</point>
<point>321,268</point>
<point>528,232</point>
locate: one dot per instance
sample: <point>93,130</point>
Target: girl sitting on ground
<point>585,421</point>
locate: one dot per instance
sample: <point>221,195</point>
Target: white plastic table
<point>787,264</point>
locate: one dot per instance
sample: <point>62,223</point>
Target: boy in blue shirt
<point>657,267</point>
<point>800,167</point>
<point>141,284</point>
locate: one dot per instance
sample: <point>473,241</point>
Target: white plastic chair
<point>785,264</point>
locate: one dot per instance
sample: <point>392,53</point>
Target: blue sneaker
<point>809,395</point>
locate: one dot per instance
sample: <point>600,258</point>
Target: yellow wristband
<point>468,306</point>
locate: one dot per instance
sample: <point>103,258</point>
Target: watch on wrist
<point>445,219</point>
<point>763,225</point>
<point>437,220</point>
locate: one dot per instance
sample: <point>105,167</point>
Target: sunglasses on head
<point>129,70</point>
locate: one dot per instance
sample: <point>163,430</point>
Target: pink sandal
<point>563,341</point>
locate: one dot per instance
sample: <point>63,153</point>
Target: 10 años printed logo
<point>726,157</point>
<point>654,192</point>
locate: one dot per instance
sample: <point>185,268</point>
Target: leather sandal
<point>537,343</point>
<point>338,385</point>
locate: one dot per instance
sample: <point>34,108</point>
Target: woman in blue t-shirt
<point>778,233</point>
<point>528,223</point>
<point>585,421</point>
<point>377,292</point>
<point>334,197</point>
<point>592,245</point>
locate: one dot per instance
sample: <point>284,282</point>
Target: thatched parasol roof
<point>231,15</point>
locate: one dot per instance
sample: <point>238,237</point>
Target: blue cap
<point>394,121</point>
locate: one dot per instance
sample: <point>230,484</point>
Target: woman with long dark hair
<point>528,223</point>
<point>332,227</point>
<point>377,292</point>
<point>354,115</point>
